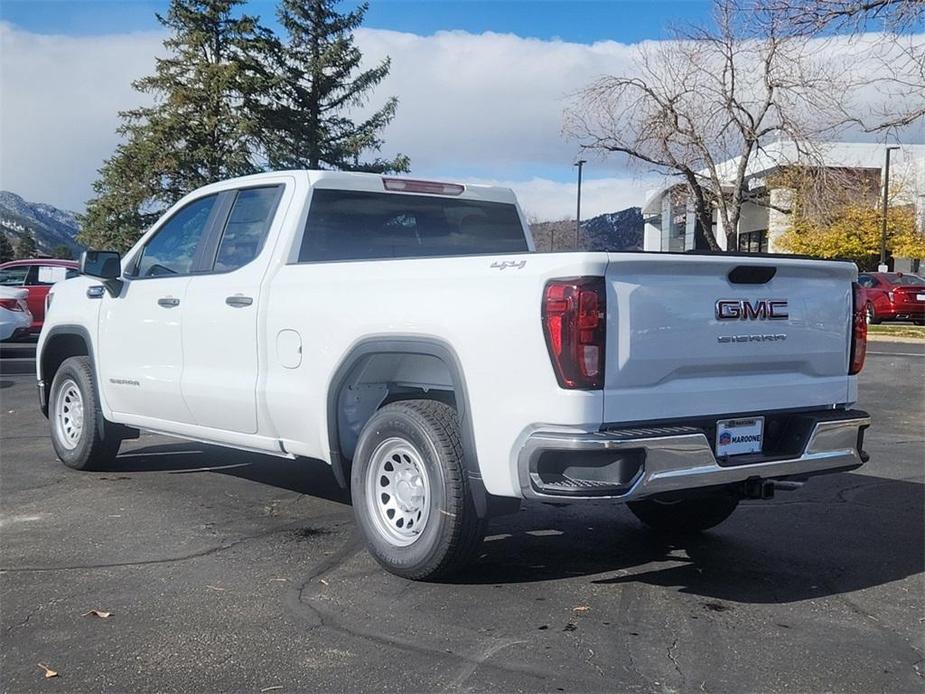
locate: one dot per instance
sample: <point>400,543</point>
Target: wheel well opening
<point>379,379</point>
<point>56,350</point>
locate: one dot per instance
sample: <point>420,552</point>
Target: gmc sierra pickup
<point>407,333</point>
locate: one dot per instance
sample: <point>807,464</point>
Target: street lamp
<point>886,204</point>
<point>579,164</point>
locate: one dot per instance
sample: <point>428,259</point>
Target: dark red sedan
<point>893,296</point>
<point>37,275</point>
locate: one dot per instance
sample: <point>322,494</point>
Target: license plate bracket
<point>739,436</point>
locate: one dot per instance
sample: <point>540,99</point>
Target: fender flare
<point>428,346</point>
<point>44,380</point>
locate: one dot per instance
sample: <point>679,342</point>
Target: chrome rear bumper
<point>681,458</point>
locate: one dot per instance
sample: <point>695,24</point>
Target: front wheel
<point>687,514</point>
<point>410,492</point>
<point>871,315</point>
<point>81,437</point>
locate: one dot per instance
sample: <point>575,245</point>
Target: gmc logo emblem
<point>743,309</point>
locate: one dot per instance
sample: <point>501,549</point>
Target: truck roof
<point>350,180</point>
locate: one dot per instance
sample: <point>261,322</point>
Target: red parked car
<point>893,296</point>
<point>37,275</point>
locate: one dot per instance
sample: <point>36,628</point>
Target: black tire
<point>872,318</point>
<point>685,515</point>
<point>919,322</point>
<point>96,441</point>
<point>428,432</point>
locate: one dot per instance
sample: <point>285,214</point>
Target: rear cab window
<point>905,280</point>
<point>361,225</point>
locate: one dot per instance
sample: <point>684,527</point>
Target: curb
<point>891,338</point>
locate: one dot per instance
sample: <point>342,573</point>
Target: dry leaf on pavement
<point>48,671</point>
<point>97,613</point>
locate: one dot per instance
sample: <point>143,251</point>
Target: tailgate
<point>669,355</point>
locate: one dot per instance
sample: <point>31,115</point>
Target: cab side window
<point>172,249</point>
<point>242,239</point>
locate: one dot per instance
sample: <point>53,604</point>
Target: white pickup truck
<point>407,333</point>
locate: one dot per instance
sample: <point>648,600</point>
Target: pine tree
<point>64,252</point>
<point>26,247</point>
<point>307,118</point>
<point>196,132</point>
<point>6,248</point>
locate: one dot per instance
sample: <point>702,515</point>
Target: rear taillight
<point>575,325</point>
<point>858,332</point>
<point>11,304</point>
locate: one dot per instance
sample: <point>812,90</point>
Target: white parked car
<point>15,317</point>
<point>406,333</point>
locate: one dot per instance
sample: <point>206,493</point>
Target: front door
<point>140,340</point>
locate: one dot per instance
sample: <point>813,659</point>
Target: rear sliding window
<point>356,225</point>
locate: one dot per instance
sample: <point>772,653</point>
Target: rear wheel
<point>410,492</point>
<point>82,439</point>
<point>686,514</point>
<point>871,314</point>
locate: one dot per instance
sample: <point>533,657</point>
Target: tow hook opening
<point>757,488</point>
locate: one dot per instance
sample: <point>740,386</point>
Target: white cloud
<point>58,110</point>
<point>472,106</point>
<point>492,101</point>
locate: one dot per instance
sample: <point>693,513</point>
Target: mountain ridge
<point>49,226</point>
<point>612,231</point>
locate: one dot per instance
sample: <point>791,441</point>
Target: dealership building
<point>671,225</point>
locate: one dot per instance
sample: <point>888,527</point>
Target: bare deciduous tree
<point>708,97</point>
<point>895,16</point>
<point>893,57</point>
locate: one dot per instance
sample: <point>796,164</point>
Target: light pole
<point>579,164</point>
<point>886,207</point>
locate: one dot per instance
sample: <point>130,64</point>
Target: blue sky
<point>583,21</point>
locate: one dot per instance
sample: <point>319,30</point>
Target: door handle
<point>238,301</point>
<point>168,302</point>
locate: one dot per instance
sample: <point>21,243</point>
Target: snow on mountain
<point>49,226</point>
<point>614,231</point>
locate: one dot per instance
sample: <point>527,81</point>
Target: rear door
<point>687,336</point>
<point>220,344</point>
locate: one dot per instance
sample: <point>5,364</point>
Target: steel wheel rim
<point>398,491</point>
<point>69,414</point>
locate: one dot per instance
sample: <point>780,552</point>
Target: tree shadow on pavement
<point>841,533</point>
<point>853,532</point>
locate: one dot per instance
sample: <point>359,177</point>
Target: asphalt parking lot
<point>227,571</point>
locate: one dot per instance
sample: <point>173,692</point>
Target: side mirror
<point>104,265</point>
